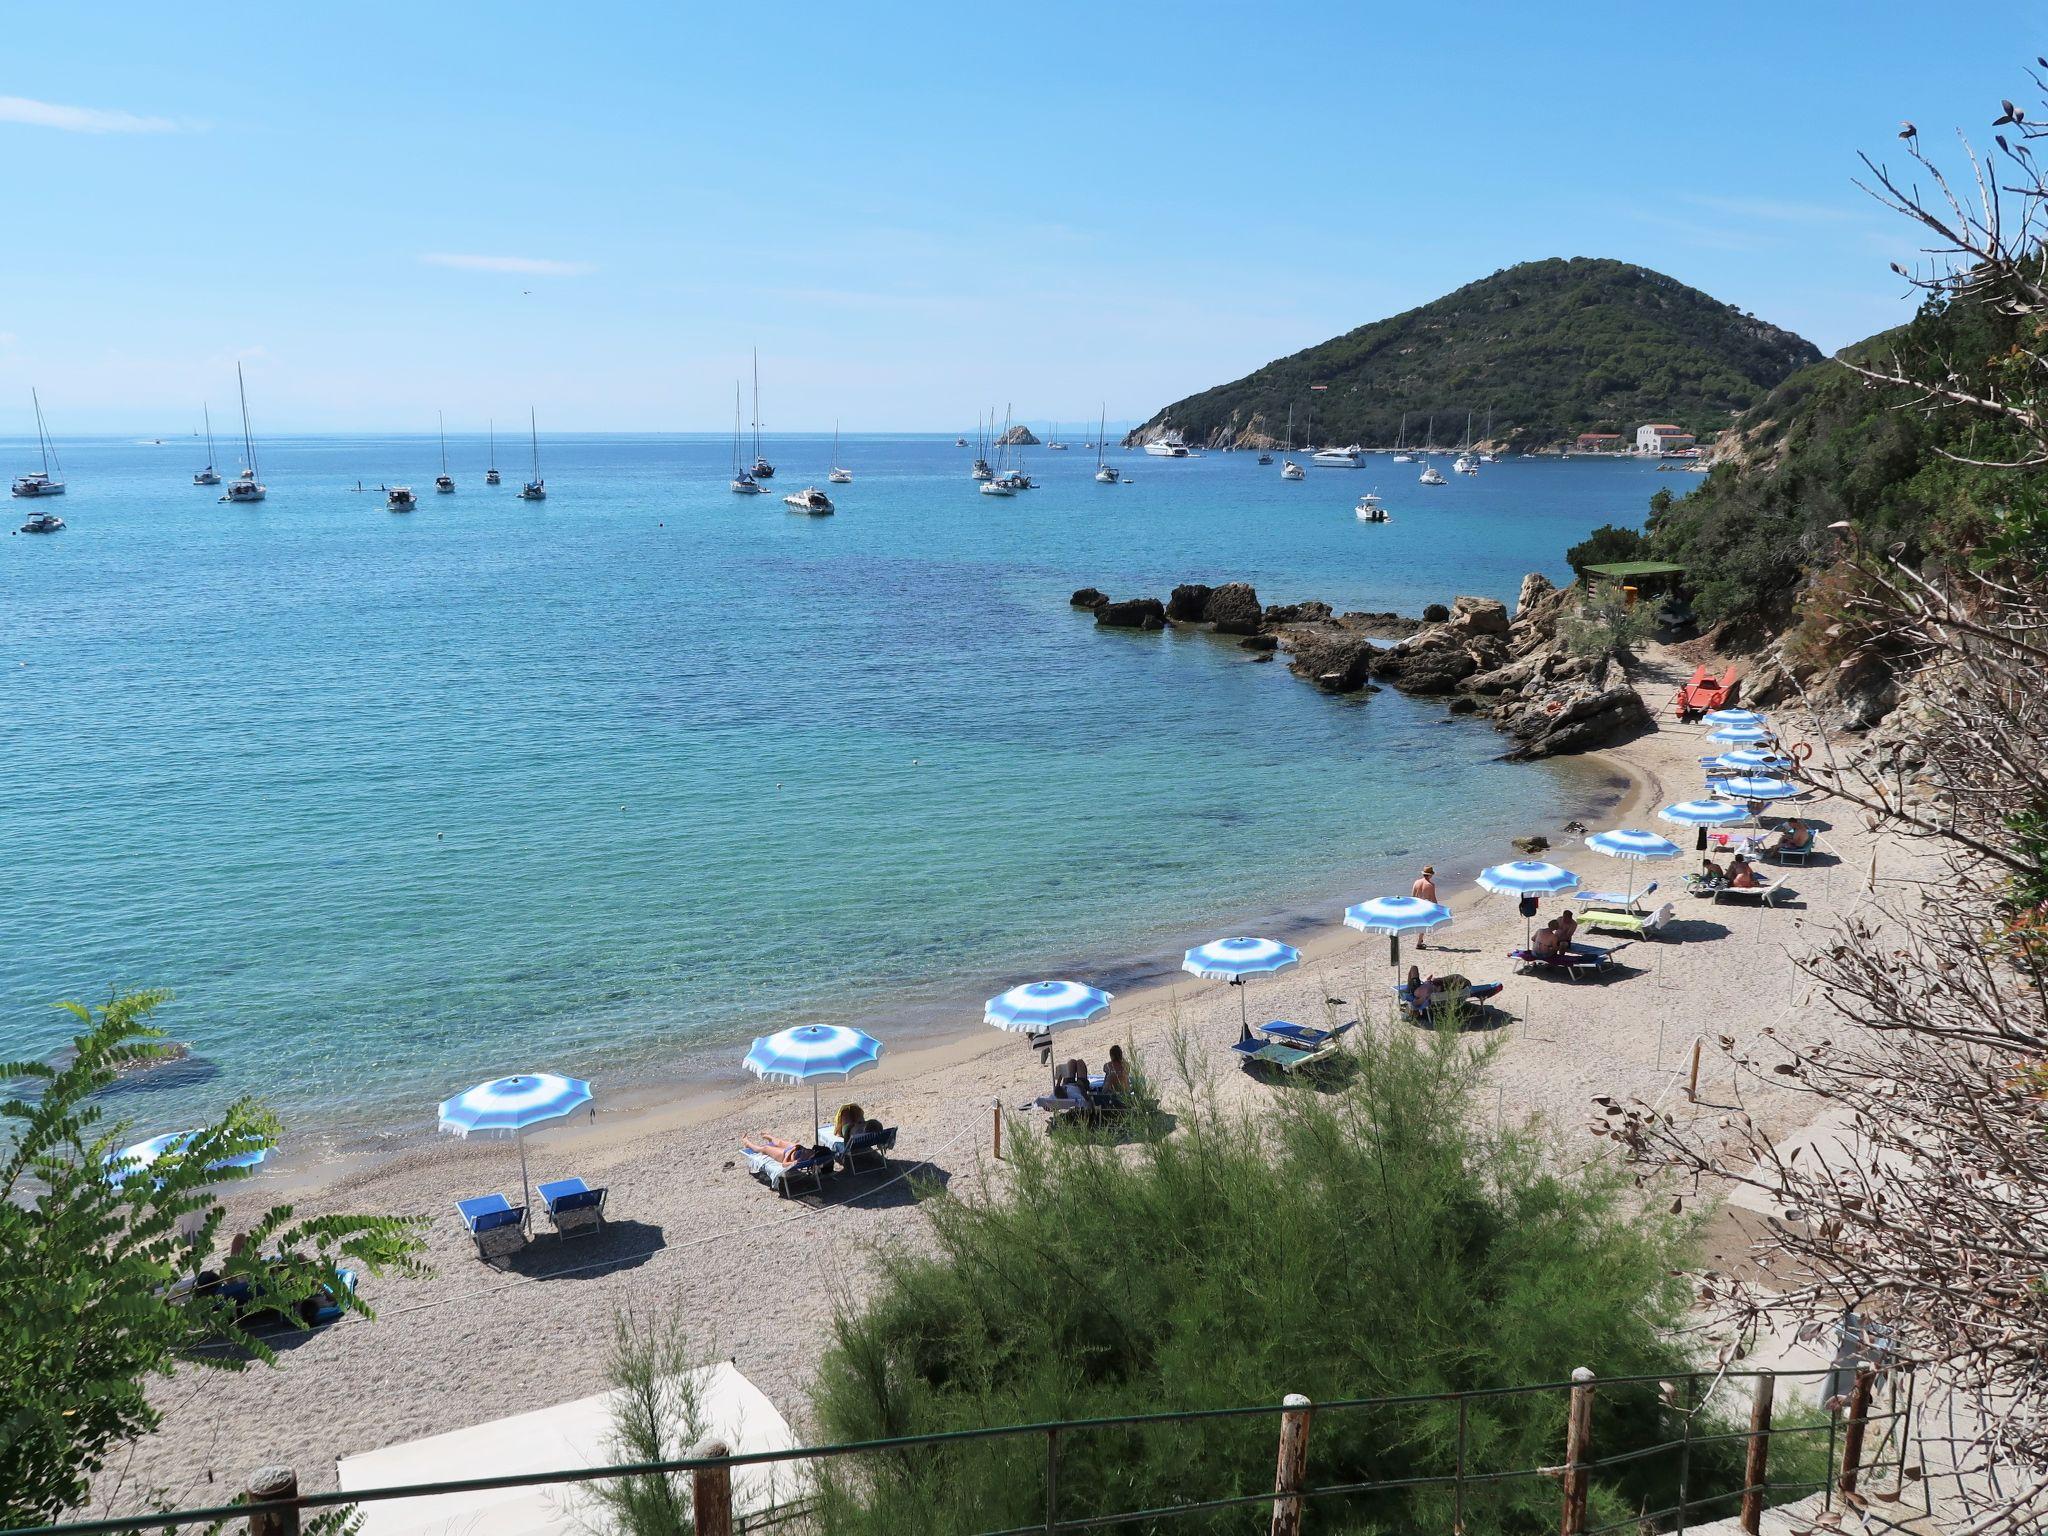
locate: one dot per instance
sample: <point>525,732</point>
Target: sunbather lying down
<point>776,1149</point>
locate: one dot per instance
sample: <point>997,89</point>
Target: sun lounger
<point>1636,925</point>
<point>1790,855</point>
<point>316,1311</point>
<point>1619,901</point>
<point>573,1206</point>
<point>1299,1034</point>
<point>1765,891</point>
<point>787,1178</point>
<point>1480,993</point>
<point>863,1149</point>
<point>1572,961</point>
<point>1260,1053</point>
<point>498,1225</point>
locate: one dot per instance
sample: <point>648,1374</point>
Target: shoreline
<point>694,1083</point>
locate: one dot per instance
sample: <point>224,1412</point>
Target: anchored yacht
<point>43,482</point>
<point>535,489</point>
<point>400,499</point>
<point>1371,509</point>
<point>245,487</point>
<point>1429,476</point>
<point>43,522</point>
<point>208,475</point>
<point>1168,448</point>
<point>1339,458</point>
<point>444,483</point>
<point>810,499</point>
<point>1292,471</point>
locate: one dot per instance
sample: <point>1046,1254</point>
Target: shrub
<point>1606,545</point>
<point>1605,623</point>
<point>1381,1238</point>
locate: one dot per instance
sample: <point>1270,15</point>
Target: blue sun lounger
<point>1574,960</point>
<point>573,1206</point>
<point>1284,1047</point>
<point>498,1225</point>
<point>783,1178</point>
<point>867,1150</point>
<point>1480,992</point>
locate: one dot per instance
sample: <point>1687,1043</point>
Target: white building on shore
<point>1661,437</point>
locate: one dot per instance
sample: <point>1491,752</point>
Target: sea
<point>611,783</point>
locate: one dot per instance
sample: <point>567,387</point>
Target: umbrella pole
<point>815,1121</point>
<point>1244,1018</point>
<point>524,1184</point>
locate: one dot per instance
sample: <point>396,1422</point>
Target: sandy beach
<point>689,1226</point>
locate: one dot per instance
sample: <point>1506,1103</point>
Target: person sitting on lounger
<point>847,1121</point>
<point>1795,836</point>
<point>1567,926</point>
<point>1546,940</point>
<point>1712,873</point>
<point>776,1149</point>
<point>1116,1073</point>
<point>1741,876</point>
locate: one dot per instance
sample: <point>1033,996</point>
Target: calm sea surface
<point>628,776</point>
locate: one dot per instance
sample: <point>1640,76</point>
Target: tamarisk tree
<point>1931,1219</point>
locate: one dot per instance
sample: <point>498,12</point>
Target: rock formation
<point>1132,613</point>
<point>1018,436</point>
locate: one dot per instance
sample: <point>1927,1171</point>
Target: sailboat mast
<point>1401,437</point>
<point>207,412</point>
<point>442,419</point>
<point>494,442</point>
<point>248,440</point>
<point>757,405</point>
<point>533,428</point>
<point>1101,422</point>
<point>42,437</point>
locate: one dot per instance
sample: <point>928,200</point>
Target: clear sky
<point>911,209</point>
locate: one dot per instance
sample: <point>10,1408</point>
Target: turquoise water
<point>397,803</point>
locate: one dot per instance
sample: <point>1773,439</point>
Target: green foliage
<point>1553,348</point>
<point>1606,545</point>
<point>660,1417</point>
<point>1377,1239</point>
<point>1605,623</point>
<point>1829,446</point>
<point>99,1290</point>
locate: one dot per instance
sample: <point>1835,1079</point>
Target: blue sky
<point>912,210</point>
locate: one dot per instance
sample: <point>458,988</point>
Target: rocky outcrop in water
<point>1514,668</point>
<point>1018,436</point>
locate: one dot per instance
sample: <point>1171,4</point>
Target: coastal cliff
<point>1514,669</point>
<point>1548,349</point>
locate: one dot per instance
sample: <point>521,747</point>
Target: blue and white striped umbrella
<point>506,1106</point>
<point>1704,813</point>
<point>812,1053</point>
<point>1527,877</point>
<point>129,1161</point>
<point>1732,717</point>
<point>1743,759</point>
<point>1752,787</point>
<point>1632,845</point>
<point>1235,959</point>
<point>1741,735</point>
<point>1396,914</point>
<point>1629,843</point>
<point>1043,1005</point>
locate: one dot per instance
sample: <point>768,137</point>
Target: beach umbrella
<point>1233,960</point>
<point>1633,846</point>
<point>1041,1005</point>
<point>1394,916</point>
<point>1527,877</point>
<point>129,1161</point>
<point>1742,735</point>
<point>1743,759</point>
<point>812,1053</point>
<point>506,1106</point>
<point>1754,787</point>
<point>1732,717</point>
<point>1704,813</point>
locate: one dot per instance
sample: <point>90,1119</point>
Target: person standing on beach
<point>1424,889</point>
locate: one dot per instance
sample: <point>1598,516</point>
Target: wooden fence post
<point>266,1484</point>
<point>1692,1081</point>
<point>1852,1436</point>
<point>1578,1445</point>
<point>1756,1466</point>
<point>997,1108</point>
<point>711,1489</point>
<point>1293,1468</point>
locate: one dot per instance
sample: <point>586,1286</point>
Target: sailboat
<point>1052,440</point>
<point>982,470</point>
<point>743,484</point>
<point>1429,476</point>
<point>45,483</point>
<point>208,475</point>
<point>245,487</point>
<point>1401,453</point>
<point>1000,482</point>
<point>1289,470</point>
<point>443,482</point>
<point>838,476</point>
<point>535,489</point>
<point>1105,473</point>
<point>762,470</point>
<point>1467,463</point>
<point>491,474</point>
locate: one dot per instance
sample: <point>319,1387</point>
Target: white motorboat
<point>762,469</point>
<point>245,487</point>
<point>208,475</point>
<point>1371,509</point>
<point>1168,447</point>
<point>1429,476</point>
<point>810,499</point>
<point>959,442</point>
<point>1001,487</point>
<point>1339,458</point>
<point>43,522</point>
<point>1292,471</point>
<point>491,475</point>
<point>45,482</point>
<point>1465,464</point>
<point>535,489</point>
<point>400,499</point>
<point>838,476</point>
<point>444,483</point>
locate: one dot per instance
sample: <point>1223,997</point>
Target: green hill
<point>1552,348</point>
